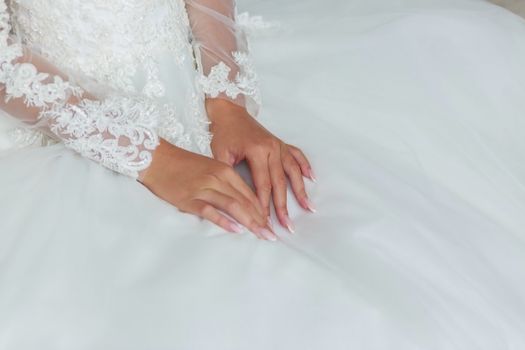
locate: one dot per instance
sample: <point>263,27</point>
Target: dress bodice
<point>107,40</point>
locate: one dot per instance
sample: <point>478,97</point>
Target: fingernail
<point>288,223</point>
<point>312,175</point>
<point>268,235</point>
<point>235,227</point>
<point>309,205</point>
<point>270,222</point>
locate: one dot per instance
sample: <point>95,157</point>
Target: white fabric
<point>412,113</point>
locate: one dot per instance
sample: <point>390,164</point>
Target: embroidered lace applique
<point>117,132</point>
<point>109,41</point>
<point>245,81</point>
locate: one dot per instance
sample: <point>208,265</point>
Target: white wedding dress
<point>411,111</point>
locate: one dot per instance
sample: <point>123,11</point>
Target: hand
<point>203,186</point>
<point>238,136</point>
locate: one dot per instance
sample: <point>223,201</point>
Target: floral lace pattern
<point>117,44</point>
<point>109,41</point>
<point>22,80</point>
<point>140,48</point>
<point>117,132</point>
<point>245,81</point>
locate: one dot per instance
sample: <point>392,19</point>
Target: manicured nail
<point>268,235</point>
<point>309,205</point>
<point>288,223</point>
<point>312,175</point>
<point>235,227</point>
<point>270,222</point>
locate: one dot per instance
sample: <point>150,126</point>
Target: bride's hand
<point>203,186</point>
<point>238,136</point>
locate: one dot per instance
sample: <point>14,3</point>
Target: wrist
<point>164,156</point>
<point>219,109</point>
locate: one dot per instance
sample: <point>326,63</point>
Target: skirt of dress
<point>413,115</point>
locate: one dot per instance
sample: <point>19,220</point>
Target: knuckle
<point>265,186</point>
<point>280,180</point>
<point>294,167</point>
<point>266,145</point>
<point>210,181</point>
<point>281,205</point>
<point>281,209</point>
<point>186,208</point>
<point>274,144</point>
<point>205,210</point>
<point>260,148</point>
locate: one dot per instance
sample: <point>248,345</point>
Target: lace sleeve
<point>222,53</point>
<point>117,132</point>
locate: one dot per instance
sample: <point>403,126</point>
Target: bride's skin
<point>202,186</point>
<point>212,185</point>
<point>237,136</point>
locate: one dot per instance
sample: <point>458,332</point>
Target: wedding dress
<point>411,112</point>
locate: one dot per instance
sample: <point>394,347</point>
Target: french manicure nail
<point>308,203</point>
<point>270,222</point>
<point>289,225</point>
<point>268,235</point>
<point>235,227</point>
<point>312,175</point>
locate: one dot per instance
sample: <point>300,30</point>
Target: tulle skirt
<point>413,115</point>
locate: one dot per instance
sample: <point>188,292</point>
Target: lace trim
<point>117,132</point>
<point>245,82</point>
<point>22,80</point>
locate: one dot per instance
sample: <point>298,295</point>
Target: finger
<point>233,181</point>
<point>239,184</point>
<point>230,206</point>
<point>292,169</point>
<point>279,184</point>
<point>306,167</point>
<point>262,228</point>
<point>237,210</point>
<point>259,169</point>
<point>208,212</point>
<point>246,203</point>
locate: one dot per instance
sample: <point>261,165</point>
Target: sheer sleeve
<point>118,131</point>
<point>222,53</point>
